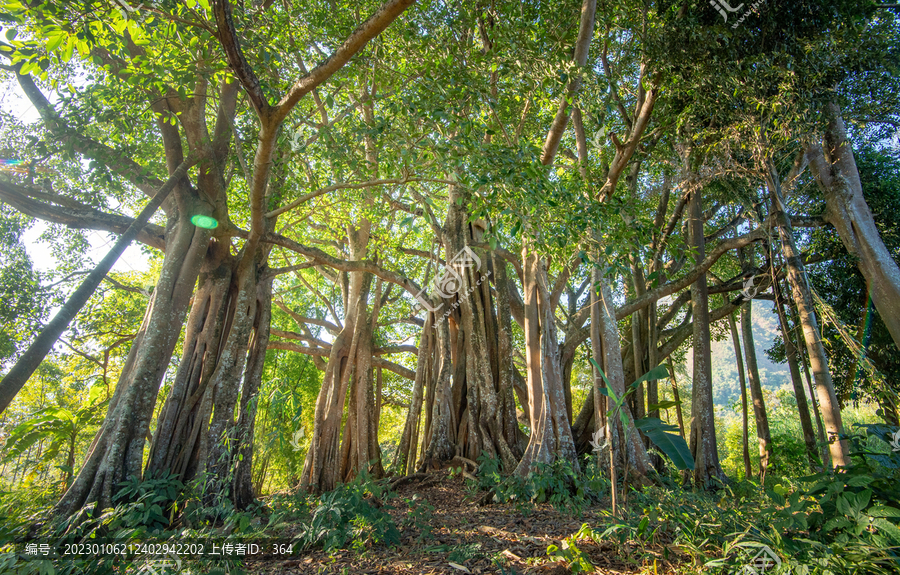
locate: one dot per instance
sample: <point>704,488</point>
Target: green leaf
<point>663,405</point>
<point>673,445</point>
<point>887,528</point>
<point>843,505</point>
<point>860,481</point>
<point>55,41</point>
<point>608,390</point>
<point>661,371</point>
<point>884,511</point>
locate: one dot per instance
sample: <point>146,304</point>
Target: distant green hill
<point>726,386</point>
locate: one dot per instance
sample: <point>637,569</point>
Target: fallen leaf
<point>462,568</point>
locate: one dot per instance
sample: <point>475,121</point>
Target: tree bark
<point>707,469</point>
<point>551,433</point>
<point>405,459</point>
<point>118,448</point>
<point>184,418</point>
<point>809,437</point>
<point>820,429</point>
<point>763,434</point>
<point>745,432</point>
<point>802,295</point>
<point>243,493</point>
<point>329,459</point>
<point>628,449</point>
<point>834,168</point>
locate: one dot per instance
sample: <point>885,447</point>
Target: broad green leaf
<point>661,371</point>
<point>674,446</point>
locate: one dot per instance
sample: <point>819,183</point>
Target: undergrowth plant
<point>557,484</point>
<point>355,511</point>
<point>825,524</point>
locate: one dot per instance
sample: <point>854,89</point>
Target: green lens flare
<point>204,222</point>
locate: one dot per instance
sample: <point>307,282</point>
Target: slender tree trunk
<point>745,432</point>
<point>802,294</point>
<point>628,450</point>
<point>834,167</point>
<point>790,351</point>
<point>763,434</point>
<point>707,469</point>
<point>597,398</point>
<point>820,429</point>
<point>638,320</point>
<point>405,459</point>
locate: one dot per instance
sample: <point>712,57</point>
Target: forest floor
<point>444,530</point>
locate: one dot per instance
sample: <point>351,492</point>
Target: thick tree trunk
<point>809,437</point>
<point>327,460</point>
<point>219,451</point>
<point>835,170</point>
<point>439,445</point>
<point>196,431</point>
<point>831,411</point>
<point>763,434</point>
<point>707,470</point>
<point>628,449</point>
<point>182,424</point>
<point>745,432</point>
<point>482,417</point>
<point>551,432</point>
<point>359,448</point>
<point>506,412</point>
<point>243,493</point>
<point>117,451</point>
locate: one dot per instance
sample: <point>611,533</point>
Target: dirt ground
<point>459,536</point>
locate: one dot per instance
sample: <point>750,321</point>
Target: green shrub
<point>354,511</point>
<point>557,483</point>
